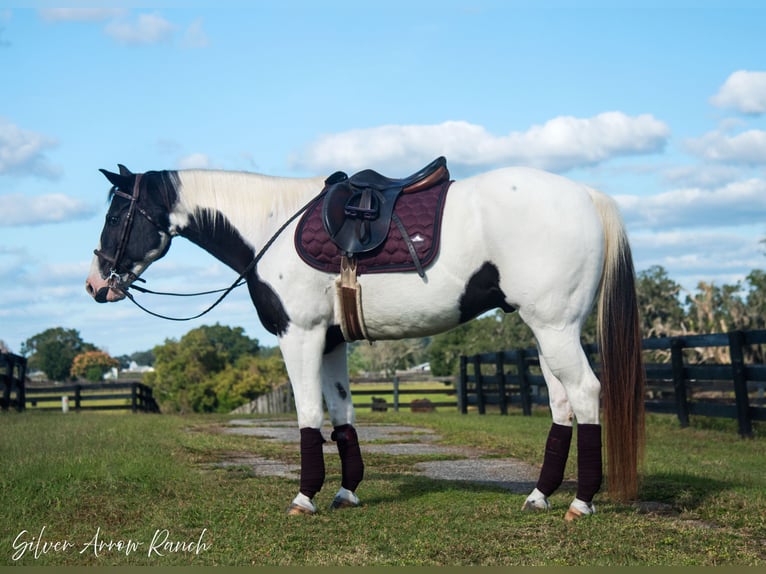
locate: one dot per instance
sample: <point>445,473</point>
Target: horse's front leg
<point>302,353</point>
<point>337,397</point>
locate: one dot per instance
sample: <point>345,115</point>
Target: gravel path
<point>510,474</point>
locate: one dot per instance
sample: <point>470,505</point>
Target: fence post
<point>500,374</point>
<point>479,384</point>
<point>396,394</point>
<point>134,397</point>
<point>77,397</point>
<point>462,383</point>
<point>736,344</point>
<point>679,382</point>
<point>524,388</point>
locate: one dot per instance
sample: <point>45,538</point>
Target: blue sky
<point>660,104</point>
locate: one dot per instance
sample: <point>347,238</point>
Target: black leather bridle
<point>117,269</point>
<point>115,280</point>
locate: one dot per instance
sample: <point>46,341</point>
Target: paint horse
<point>517,239</point>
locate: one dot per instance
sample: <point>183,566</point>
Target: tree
<point>659,305</point>
<point>388,356</point>
<point>92,365</point>
<point>187,371</point>
<point>53,351</point>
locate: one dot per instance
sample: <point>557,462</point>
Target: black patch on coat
<point>482,293</point>
<point>333,337</point>
<point>212,231</point>
<point>341,391</point>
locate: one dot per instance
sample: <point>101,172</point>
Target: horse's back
<point>544,233</point>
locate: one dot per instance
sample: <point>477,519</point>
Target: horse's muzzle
<point>102,291</point>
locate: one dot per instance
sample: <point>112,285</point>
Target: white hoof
<point>301,504</point>
<point>344,499</point>
<point>536,501</point>
<point>578,509</point>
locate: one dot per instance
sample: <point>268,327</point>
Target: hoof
<point>536,502</point>
<point>578,509</point>
<point>297,509</point>
<point>535,505</point>
<point>339,503</point>
<point>344,499</point>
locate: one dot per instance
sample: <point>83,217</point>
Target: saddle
<point>357,211</point>
<point>353,228</point>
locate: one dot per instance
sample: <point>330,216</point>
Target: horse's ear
<point>124,170</point>
<point>117,180</point>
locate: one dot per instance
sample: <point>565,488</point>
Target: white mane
<point>255,204</point>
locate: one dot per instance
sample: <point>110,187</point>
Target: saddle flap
<point>354,225</point>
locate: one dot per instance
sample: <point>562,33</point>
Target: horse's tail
<point>622,369</point>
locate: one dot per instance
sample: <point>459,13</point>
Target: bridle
<point>115,279</point>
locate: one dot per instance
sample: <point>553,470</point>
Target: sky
<point>661,105</point>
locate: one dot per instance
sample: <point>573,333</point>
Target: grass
<point>127,476</point>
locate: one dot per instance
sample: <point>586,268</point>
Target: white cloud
<point>736,203</point>
<point>747,148</point>
<point>562,143</point>
<point>744,91</point>
<point>145,29</point>
<point>18,209</point>
<point>194,36</point>
<point>79,14</point>
<point>22,151</point>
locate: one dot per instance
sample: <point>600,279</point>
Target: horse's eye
<point>112,219</point>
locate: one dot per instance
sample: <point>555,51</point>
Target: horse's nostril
<point>89,289</point>
<point>101,295</point>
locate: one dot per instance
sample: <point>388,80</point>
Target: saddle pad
<point>419,212</point>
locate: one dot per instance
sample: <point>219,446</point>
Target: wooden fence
<point>732,390</point>
<point>128,395</point>
<point>377,393</point>
<point>442,386</point>
<point>13,373</point>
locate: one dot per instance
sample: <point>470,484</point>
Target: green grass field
<point>124,489</point>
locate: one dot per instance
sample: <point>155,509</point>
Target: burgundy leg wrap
<point>352,467</point>
<point>555,461</point>
<point>312,461</point>
<point>589,471</point>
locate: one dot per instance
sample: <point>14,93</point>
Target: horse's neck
<point>232,214</point>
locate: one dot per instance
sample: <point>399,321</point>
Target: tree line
<point>215,368</point>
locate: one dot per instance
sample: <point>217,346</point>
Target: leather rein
<point>115,280</point>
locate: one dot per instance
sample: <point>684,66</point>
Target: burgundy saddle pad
<point>420,213</point>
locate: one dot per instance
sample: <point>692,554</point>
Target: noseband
<point>127,227</point>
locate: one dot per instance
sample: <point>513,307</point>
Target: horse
<point>514,238</point>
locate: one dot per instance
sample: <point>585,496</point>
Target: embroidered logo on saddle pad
<point>420,213</point>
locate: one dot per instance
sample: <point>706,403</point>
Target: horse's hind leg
<point>556,445</point>
<point>337,396</point>
<point>567,365</point>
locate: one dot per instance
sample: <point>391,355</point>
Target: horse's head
<point>135,234</point>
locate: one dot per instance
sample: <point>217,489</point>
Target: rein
<point>239,281</point>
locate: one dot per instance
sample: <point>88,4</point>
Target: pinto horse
<point>517,239</point>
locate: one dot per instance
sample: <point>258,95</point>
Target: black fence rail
<point>13,373</point>
<point>128,395</point>
<point>729,390</point>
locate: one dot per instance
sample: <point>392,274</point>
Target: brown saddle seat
<point>357,210</point>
